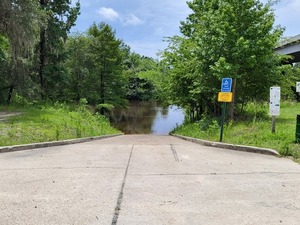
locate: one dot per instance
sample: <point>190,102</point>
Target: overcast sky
<point>142,24</point>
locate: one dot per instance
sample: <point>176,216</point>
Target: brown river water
<point>147,118</point>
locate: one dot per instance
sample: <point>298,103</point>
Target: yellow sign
<point>225,97</point>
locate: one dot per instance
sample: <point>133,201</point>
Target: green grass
<point>253,129</point>
<point>51,123</point>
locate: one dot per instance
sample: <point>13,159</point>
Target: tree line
<point>41,61</point>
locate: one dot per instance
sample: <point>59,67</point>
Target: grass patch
<point>253,129</point>
<point>51,123</point>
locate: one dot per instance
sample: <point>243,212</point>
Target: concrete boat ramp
<point>147,180</point>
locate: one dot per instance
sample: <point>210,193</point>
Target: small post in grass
<point>274,105</point>
<point>273,124</point>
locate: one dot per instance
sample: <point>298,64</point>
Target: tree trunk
<point>42,56</point>
<point>231,109</point>
<point>10,93</point>
<point>42,62</point>
<point>77,87</point>
<point>102,94</point>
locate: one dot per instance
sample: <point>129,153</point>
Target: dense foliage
<point>41,61</point>
<point>104,71</point>
<point>19,26</point>
<point>50,55</point>
<point>290,75</point>
<point>228,38</point>
<point>19,22</point>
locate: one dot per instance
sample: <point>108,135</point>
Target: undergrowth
<point>252,128</point>
<point>40,123</point>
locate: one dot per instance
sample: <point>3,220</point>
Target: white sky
<point>142,24</point>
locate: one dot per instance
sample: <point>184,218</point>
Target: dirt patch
<point>5,115</point>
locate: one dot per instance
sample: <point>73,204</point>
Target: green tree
<point>183,85</point>
<point>106,80</point>
<point>145,77</point>
<point>60,19</point>
<point>4,67</point>
<point>19,24</point>
<point>139,89</point>
<point>231,38</point>
<point>290,75</point>
<point>78,66</point>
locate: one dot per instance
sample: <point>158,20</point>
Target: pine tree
<point>106,59</point>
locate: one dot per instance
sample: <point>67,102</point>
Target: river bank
<point>253,130</point>
<point>50,123</point>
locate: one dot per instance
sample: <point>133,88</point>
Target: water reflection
<point>147,118</point>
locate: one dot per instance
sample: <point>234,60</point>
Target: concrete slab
<point>205,185</point>
<point>210,199</point>
<point>59,196</point>
<point>74,184</point>
<point>145,179</point>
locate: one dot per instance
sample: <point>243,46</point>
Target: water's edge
<point>147,118</point>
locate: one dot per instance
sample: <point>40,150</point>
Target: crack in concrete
<point>120,198</point>
<point>174,153</point>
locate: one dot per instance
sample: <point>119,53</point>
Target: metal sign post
<point>224,96</point>
<point>222,120</point>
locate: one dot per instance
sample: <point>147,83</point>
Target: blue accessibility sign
<point>226,85</point>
